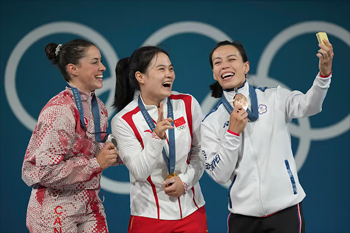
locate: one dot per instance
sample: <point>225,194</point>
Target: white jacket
<point>259,162</point>
<point>142,154</point>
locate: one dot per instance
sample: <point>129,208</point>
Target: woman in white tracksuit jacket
<point>158,134</point>
<point>251,147</point>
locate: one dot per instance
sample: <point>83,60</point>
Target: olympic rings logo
<point>303,131</point>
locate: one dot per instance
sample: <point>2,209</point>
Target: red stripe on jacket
<point>128,118</point>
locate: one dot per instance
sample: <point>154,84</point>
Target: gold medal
<point>169,176</point>
<point>240,100</point>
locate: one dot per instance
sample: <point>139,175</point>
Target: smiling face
<point>228,67</point>
<point>158,80</point>
<point>87,75</point>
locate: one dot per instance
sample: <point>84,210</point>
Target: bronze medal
<point>240,100</point>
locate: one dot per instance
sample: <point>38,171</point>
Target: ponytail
<point>216,90</point>
<point>50,51</point>
<point>124,88</point>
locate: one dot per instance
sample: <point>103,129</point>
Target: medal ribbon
<point>95,113</point>
<point>169,160</point>
<point>252,115</point>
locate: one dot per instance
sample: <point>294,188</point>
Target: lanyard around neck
<point>95,112</point>
<point>252,115</point>
<point>170,161</point>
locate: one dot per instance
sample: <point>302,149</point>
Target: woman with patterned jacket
<point>245,141</point>
<point>158,134</point>
<point>65,157</point>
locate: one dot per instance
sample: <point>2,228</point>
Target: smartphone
<point>321,36</point>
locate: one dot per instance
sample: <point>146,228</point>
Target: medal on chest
<point>240,100</point>
<point>169,158</point>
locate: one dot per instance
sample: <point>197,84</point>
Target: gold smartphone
<point>321,36</point>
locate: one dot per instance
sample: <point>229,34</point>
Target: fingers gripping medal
<point>241,100</point>
<point>112,139</point>
<point>169,176</point>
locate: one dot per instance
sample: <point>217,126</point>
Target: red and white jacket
<point>141,152</point>
<point>60,154</point>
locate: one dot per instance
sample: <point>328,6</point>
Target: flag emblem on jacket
<point>262,109</point>
<point>180,123</point>
<point>86,121</point>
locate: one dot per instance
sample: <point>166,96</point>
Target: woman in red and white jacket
<point>158,135</point>
<point>65,157</point>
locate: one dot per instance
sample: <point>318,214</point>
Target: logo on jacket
<point>226,124</point>
<point>262,109</point>
<point>180,123</point>
<point>86,121</point>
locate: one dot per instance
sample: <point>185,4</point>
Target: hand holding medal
<point>173,185</point>
<point>168,181</point>
<point>239,115</point>
<point>240,100</point>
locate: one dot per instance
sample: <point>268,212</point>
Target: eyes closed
<point>218,62</point>
<point>162,68</point>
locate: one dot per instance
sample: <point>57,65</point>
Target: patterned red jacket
<point>60,154</point>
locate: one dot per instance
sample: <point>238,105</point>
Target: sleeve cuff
<point>229,131</point>
<point>95,166</point>
<point>154,135</point>
<point>184,180</point>
<point>156,144</point>
<point>185,187</point>
<point>325,76</point>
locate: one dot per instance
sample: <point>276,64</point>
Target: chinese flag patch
<point>180,121</point>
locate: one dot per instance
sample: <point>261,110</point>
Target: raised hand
<point>325,54</point>
<point>162,124</point>
<point>107,156</point>
<point>238,120</point>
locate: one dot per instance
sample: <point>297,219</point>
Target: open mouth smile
<point>227,75</point>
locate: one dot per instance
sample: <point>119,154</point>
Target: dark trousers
<point>287,220</point>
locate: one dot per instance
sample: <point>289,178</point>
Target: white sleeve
<point>298,104</point>
<point>195,168</point>
<point>140,161</point>
<point>220,156</point>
